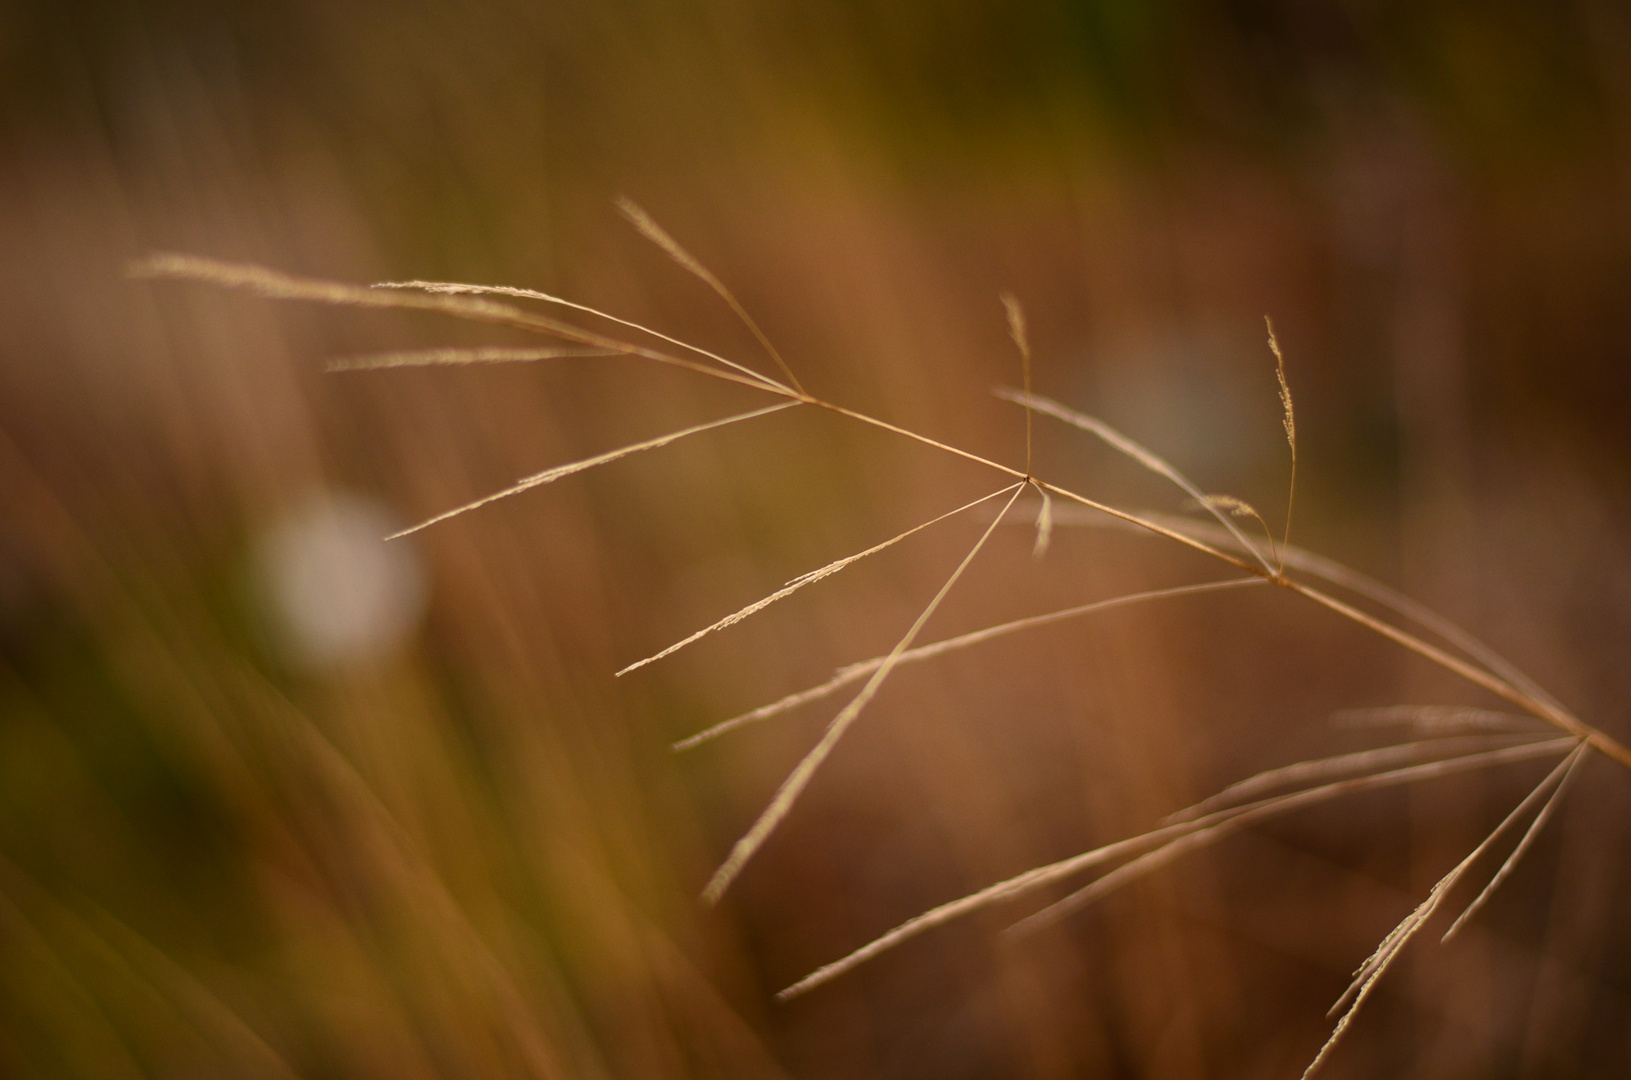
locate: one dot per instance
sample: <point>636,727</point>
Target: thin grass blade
<point>1528,840</point>
<point>455,288</point>
<point>1022,342</point>
<point>854,673</point>
<point>796,781</point>
<point>658,235</point>
<point>453,357</point>
<point>799,582</point>
<point>1290,421</point>
<point>276,285</point>
<point>1044,524</point>
<point>1232,821</point>
<point>1336,573</point>
<point>549,476</point>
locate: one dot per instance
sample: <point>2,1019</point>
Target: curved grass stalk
<point>1022,342</point>
<point>1336,573</point>
<point>1236,507</point>
<point>1553,714</point>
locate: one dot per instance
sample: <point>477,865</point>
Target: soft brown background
<point>475,856</point>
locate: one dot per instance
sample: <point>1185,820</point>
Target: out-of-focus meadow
<point>277,799</point>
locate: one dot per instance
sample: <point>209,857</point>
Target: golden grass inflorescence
<point>1450,741</point>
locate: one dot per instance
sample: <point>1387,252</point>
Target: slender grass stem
<point>796,780</point>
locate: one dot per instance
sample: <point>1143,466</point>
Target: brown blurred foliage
<point>472,854</point>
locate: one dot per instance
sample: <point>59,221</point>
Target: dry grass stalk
<point>1478,664</point>
<point>455,357</point>
<point>1307,562</point>
<point>549,476</point>
<point>797,780</point>
<point>1528,840</point>
<point>1369,973</point>
<point>1044,523</point>
<point>799,582</point>
<point>659,236</point>
<point>279,286</point>
<point>1273,807</point>
<point>455,288</point>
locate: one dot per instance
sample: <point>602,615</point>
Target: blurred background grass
<point>272,803</point>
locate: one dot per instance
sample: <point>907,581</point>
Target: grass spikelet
<point>549,476</point>
<point>276,285</point>
<point>853,673</point>
<point>1231,505</point>
<point>1237,507</point>
<point>1289,420</point>
<point>1044,523</point>
<point>1022,342</point>
<point>455,357</point>
<point>796,781</point>
<point>1377,966</point>
<point>658,235</point>
<point>802,580</point>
